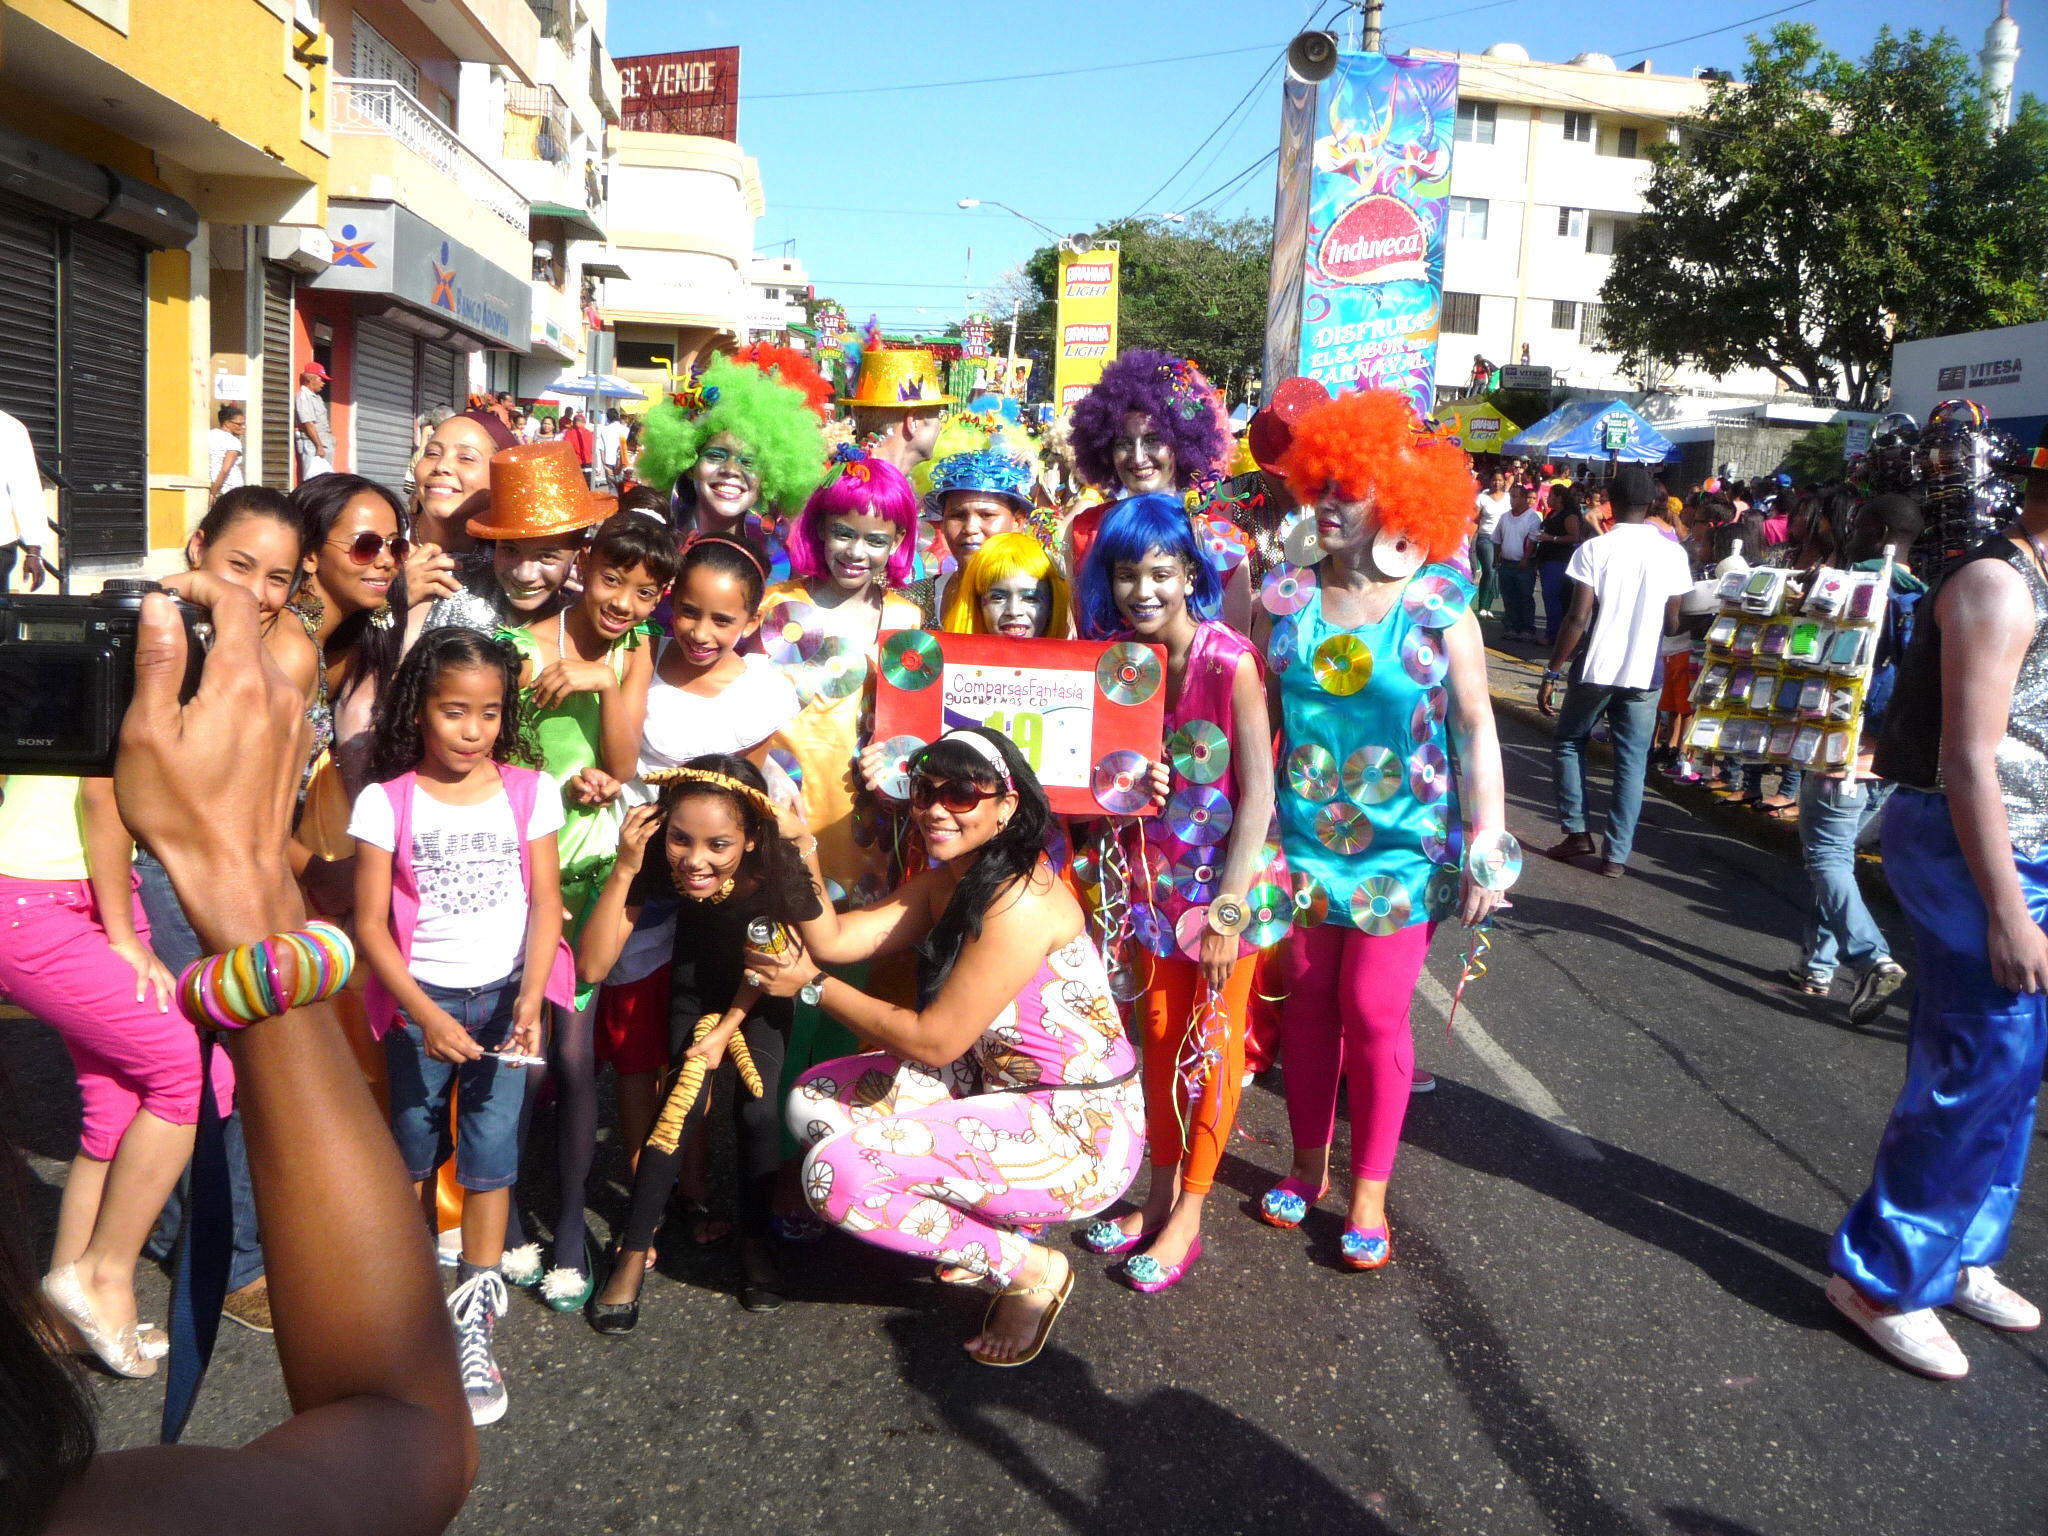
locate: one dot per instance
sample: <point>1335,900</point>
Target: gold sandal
<point>1059,1294</point>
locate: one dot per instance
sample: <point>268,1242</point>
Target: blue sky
<point>866,185</point>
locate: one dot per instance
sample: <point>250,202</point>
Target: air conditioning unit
<point>301,248</point>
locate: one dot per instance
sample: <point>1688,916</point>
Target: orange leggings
<point>1169,1005</point>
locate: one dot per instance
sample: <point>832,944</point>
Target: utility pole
<point>1010,364</point>
<point>1371,41</point>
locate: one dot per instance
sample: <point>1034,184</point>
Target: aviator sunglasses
<point>364,547</point>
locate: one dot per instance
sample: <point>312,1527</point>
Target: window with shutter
<point>1461,314</point>
<point>372,58</point>
<point>278,384</point>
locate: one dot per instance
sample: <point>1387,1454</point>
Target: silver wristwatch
<point>809,993</point>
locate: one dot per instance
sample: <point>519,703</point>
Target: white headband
<point>985,748</point>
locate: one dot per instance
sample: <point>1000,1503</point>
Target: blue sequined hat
<point>988,470</point>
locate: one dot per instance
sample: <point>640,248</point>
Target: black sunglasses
<point>956,795</point>
<point>364,547</point>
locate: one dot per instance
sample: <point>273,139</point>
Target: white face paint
<point>857,550</point>
<point>1018,605</point>
<point>1142,455</point>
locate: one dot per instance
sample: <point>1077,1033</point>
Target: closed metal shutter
<point>383,398</point>
<point>105,428</point>
<point>28,323</point>
<point>279,386</point>
<point>444,377</point>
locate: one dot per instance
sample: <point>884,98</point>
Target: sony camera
<point>67,672</point>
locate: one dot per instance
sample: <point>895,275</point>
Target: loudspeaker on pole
<point>1313,56</point>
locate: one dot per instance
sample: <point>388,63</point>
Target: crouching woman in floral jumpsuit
<point>1008,1100</point>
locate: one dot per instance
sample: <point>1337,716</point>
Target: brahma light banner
<point>1375,258</point>
<point>1087,322</point>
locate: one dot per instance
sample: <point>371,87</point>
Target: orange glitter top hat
<point>538,489</point>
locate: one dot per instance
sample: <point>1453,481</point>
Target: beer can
<point>768,936</point>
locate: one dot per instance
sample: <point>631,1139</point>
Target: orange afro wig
<point>792,368</point>
<point>1368,444</point>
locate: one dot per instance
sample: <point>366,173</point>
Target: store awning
<point>380,248</point>
<point>604,267</point>
<point>1590,430</point>
<point>580,224</point>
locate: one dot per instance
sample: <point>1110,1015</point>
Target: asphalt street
<point>1604,1314</point>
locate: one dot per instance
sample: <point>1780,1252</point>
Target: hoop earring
<point>722,892</point>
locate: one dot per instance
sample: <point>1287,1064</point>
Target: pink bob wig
<point>857,486</point>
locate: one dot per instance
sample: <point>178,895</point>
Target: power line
<point>1695,37</point>
<point>1228,118</point>
<point>1271,154</point>
<point>1045,74</point>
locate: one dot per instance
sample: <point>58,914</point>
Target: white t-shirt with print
<point>1634,572</point>
<point>465,865</point>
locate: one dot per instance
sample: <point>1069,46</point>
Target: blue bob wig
<point>1131,530</point>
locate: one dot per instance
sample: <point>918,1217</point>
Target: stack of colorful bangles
<point>254,982</point>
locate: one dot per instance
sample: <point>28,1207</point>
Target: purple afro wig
<point>1181,403</point>
<point>857,486</point>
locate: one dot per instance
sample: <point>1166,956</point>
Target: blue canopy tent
<point>1579,430</point>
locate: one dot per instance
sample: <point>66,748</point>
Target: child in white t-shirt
<point>459,917</point>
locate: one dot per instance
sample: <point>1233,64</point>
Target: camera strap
<point>199,1281</point>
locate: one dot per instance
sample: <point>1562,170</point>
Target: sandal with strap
<point>1286,1204</point>
<point>1059,1294</point>
<point>131,1352</point>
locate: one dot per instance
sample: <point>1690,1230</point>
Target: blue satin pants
<point>1953,1154</point>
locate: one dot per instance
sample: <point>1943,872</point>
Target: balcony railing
<point>557,20</point>
<point>387,108</point>
<point>536,124</point>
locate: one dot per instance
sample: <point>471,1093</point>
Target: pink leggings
<point>55,962</point>
<point>1347,1015</point>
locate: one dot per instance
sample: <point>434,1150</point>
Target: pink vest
<point>522,788</point>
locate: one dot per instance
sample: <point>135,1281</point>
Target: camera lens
<point>129,586</point>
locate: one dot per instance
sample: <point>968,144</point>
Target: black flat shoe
<point>614,1316</point>
<point>757,1297</point>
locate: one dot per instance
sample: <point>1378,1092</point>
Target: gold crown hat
<point>537,490</point>
<point>899,376</point>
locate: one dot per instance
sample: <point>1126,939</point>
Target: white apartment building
<point>780,286</point>
<point>1548,168</point>
<point>548,138</point>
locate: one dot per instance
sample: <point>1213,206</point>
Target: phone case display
<point>1788,661</point>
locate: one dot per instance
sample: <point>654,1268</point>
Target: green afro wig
<point>771,421</point>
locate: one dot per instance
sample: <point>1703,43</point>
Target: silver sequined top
<point>2022,756</point>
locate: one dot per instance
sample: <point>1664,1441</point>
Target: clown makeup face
<point>728,483</point>
<point>1142,455</point>
<point>971,518</point>
<point>1344,527</point>
<point>1152,594</point>
<point>857,551</point>
<point>1018,605</point>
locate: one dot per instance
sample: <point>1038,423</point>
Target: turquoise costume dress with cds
<point>1368,801</point>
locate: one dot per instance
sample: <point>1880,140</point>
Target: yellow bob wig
<point>1367,445</point>
<point>1007,554</point>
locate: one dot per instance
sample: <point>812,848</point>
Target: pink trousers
<point>56,963</point>
<point>1347,1016</point>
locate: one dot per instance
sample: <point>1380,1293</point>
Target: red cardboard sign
<point>1088,715</point>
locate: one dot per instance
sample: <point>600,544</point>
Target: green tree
<point>1820,456</point>
<point>1196,289</point>
<point>1821,208</point>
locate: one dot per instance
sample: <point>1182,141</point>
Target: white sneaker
<point>475,1306</point>
<point>1982,1295</point>
<point>1917,1340</point>
<point>448,1248</point>
<point>521,1265</point>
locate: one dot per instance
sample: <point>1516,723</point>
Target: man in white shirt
<point>315,434</point>
<point>1515,562</point>
<point>1635,574</point>
<point>24,519</point>
<point>611,447</point>
<point>1493,506</point>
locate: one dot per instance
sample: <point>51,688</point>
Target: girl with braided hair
<point>721,852</point>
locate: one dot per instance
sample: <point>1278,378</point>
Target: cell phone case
<point>1863,600</point>
<point>1774,640</point>
<point>1842,704</point>
<point>1722,631</point>
<point>1740,684</point>
<point>1787,700</point>
<point>1838,749</point>
<point>1730,590</point>
<point>1780,743</point>
<point>1712,686</point>
<point>1762,691</point>
<point>1806,744</point>
<point>1846,654</point>
<point>1763,592</point>
<point>1706,732</point>
<point>1746,636</point>
<point>1806,644</point>
<point>1830,591</point>
<point>1813,697</point>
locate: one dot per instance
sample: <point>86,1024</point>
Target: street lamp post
<point>1065,242</point>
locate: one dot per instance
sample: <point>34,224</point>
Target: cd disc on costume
<point>1429,774</point>
<point>1495,860</point>
<point>1312,773</point>
<point>1199,815</point>
<point>785,759</point>
<point>1270,912</point>
<point>1150,930</point>
<point>1128,673</point>
<point>1121,783</point>
<point>1428,715</point>
<point>1190,930</point>
<point>1311,903</point>
<point>1380,905</point>
<point>911,660</point>
<point>1288,589</point>
<point>1440,897</point>
<point>841,670</point>
<point>1395,555</point>
<point>1436,834</point>
<point>1229,917</point>
<point>1343,665</point>
<point>1282,644</point>
<point>1199,752</point>
<point>1434,602</point>
<point>1423,656</point>
<point>1342,828</point>
<point>897,752</point>
<point>1300,542</point>
<point>1194,875</point>
<point>792,632</point>
<point>1372,775</point>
